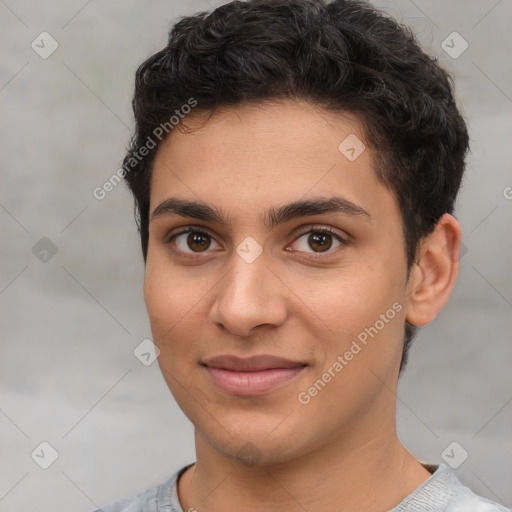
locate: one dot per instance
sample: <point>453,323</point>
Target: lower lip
<point>252,383</point>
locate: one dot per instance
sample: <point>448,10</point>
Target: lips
<point>251,376</point>
<point>250,364</point>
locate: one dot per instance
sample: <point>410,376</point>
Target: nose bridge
<point>246,296</point>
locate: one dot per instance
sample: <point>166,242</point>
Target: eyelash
<point>311,229</point>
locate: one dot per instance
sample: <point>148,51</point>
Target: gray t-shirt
<point>442,492</point>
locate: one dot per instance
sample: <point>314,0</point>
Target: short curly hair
<point>343,55</point>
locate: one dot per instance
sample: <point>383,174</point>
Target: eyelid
<point>185,229</point>
<point>302,230</point>
<point>189,229</point>
<point>296,234</point>
<point>320,228</point>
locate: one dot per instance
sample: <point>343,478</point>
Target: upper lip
<point>250,364</point>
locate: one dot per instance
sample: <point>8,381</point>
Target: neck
<point>349,473</point>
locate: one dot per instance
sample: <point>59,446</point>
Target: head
<point>249,111</point>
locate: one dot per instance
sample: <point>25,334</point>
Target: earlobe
<point>434,273</point>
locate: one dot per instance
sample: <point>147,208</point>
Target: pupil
<point>319,239</point>
<point>199,240</point>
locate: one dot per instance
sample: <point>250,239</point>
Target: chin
<point>255,445</point>
<point>254,453</point>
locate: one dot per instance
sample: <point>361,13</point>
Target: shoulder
<point>463,499</point>
<point>474,503</point>
<point>159,498</point>
<point>144,501</point>
<point>444,492</point>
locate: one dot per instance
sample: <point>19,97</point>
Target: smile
<point>252,376</point>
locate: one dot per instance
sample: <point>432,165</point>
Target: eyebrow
<point>270,218</point>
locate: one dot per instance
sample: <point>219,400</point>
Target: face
<point>276,280</point>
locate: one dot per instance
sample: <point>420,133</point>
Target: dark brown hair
<point>343,55</point>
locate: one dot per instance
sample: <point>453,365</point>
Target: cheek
<point>173,307</point>
<point>177,307</point>
<point>167,298</point>
<point>363,348</point>
<point>365,307</point>
<point>351,299</point>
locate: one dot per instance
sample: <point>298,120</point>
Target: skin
<point>340,451</point>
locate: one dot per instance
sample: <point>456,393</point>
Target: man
<point>295,167</point>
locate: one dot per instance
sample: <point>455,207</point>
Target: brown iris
<point>198,241</point>
<point>322,241</point>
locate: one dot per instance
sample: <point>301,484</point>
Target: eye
<point>191,241</point>
<point>320,240</point>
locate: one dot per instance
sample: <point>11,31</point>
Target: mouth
<point>252,376</point>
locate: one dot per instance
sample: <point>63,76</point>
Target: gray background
<point>70,325</point>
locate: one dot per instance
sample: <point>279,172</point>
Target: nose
<point>249,296</point>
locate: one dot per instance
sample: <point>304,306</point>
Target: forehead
<point>295,127</point>
<point>267,154</point>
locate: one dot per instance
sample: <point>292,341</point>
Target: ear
<point>434,273</point>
